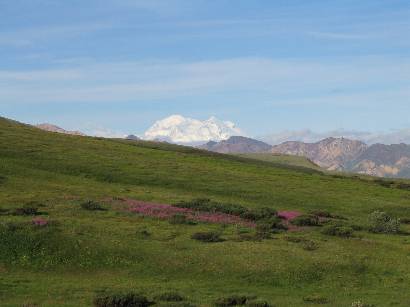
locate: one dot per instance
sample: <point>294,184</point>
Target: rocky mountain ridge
<point>54,128</point>
<point>340,154</point>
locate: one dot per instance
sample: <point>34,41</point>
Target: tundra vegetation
<point>89,221</point>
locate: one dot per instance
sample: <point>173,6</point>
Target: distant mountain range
<point>331,153</point>
<point>337,154</point>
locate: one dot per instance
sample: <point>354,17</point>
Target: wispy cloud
<point>307,82</point>
<point>28,36</point>
<point>337,36</point>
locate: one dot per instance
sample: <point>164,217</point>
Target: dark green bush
<point>259,214</point>
<point>309,245</point>
<point>210,236</point>
<point>381,222</point>
<point>26,210</point>
<point>306,220</point>
<point>143,233</point>
<point>258,303</point>
<point>180,219</point>
<point>338,230</point>
<point>170,297</point>
<point>122,300</point>
<point>405,221</point>
<point>327,214</point>
<point>317,299</point>
<point>271,225</point>
<point>207,205</point>
<point>92,206</point>
<point>233,300</point>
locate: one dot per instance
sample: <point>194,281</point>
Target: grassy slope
<point>283,159</point>
<point>101,250</point>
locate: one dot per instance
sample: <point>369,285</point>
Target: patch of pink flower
<point>39,221</point>
<point>288,215</point>
<point>166,211</point>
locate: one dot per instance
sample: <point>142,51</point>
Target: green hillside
<point>283,159</point>
<point>82,253</point>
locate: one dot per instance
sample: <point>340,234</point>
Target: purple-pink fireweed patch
<point>163,211</point>
<point>39,221</point>
<point>288,215</point>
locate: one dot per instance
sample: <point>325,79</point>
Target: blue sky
<point>265,65</point>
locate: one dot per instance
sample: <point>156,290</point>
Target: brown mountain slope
<point>54,128</point>
<point>330,153</point>
<point>237,144</point>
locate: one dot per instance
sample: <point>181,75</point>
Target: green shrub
<point>143,233</point>
<point>210,236</point>
<point>180,219</point>
<point>259,214</point>
<point>170,297</point>
<point>92,206</point>
<point>327,214</point>
<point>309,245</point>
<point>258,303</point>
<point>26,210</point>
<point>381,222</point>
<point>207,205</point>
<point>233,300</point>
<point>306,220</point>
<point>405,220</point>
<point>338,230</point>
<point>270,225</point>
<point>122,300</point>
<point>316,299</point>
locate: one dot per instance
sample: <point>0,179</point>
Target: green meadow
<point>82,253</point>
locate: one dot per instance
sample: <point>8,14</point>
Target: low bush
<point>92,206</point>
<point>405,220</point>
<point>338,230</point>
<point>306,244</point>
<point>122,300</point>
<point>170,297</point>
<point>381,222</point>
<point>306,220</point>
<point>180,219</point>
<point>210,236</point>
<point>4,211</point>
<point>143,233</point>
<point>294,239</point>
<point>258,303</point>
<point>316,299</point>
<point>309,245</point>
<point>207,205</point>
<point>233,300</point>
<point>259,214</point>
<point>327,214</point>
<point>26,210</point>
<point>271,225</point>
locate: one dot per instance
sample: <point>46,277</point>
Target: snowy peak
<point>179,129</point>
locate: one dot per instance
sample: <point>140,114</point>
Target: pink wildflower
<point>39,221</point>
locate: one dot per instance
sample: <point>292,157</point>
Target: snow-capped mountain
<point>183,130</point>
